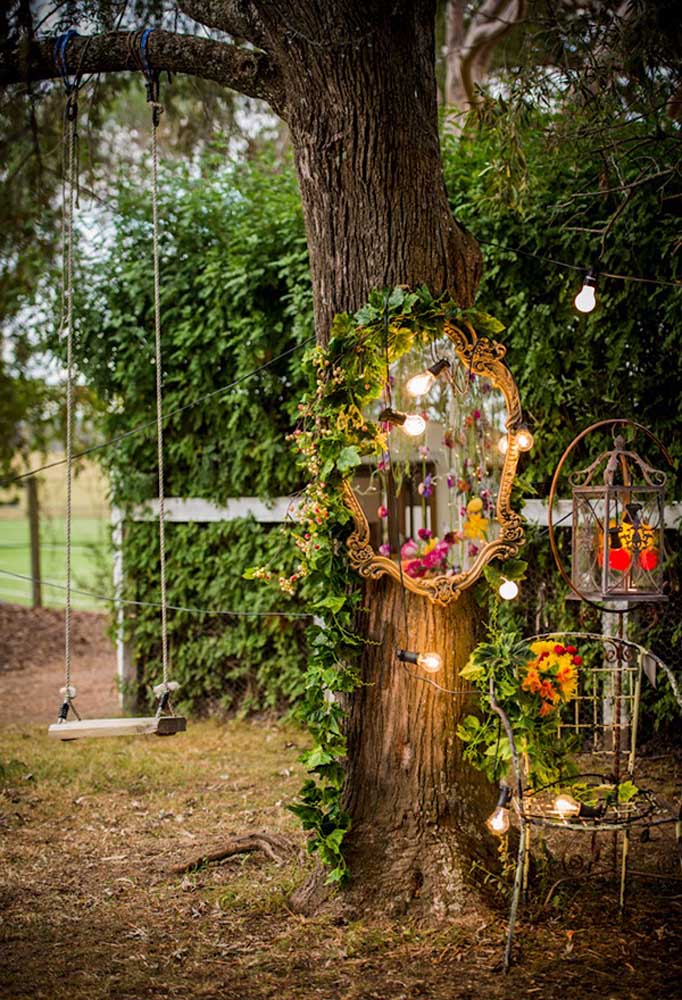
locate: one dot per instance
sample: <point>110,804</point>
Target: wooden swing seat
<point>163,725</point>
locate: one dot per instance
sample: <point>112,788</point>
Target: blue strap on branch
<point>60,47</point>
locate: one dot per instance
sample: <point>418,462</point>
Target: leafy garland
<point>533,681</point>
<point>330,442</point>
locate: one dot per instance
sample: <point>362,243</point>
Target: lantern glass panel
<point>618,548</point>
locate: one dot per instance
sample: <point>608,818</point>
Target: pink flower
<point>473,550</point>
<point>409,549</point>
<point>477,414</point>
<point>424,534</point>
<point>424,451</point>
<point>385,549</point>
<point>383,511</point>
<point>415,568</point>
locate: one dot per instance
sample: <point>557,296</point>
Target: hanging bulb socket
<point>431,662</point>
<point>586,299</point>
<point>498,821</point>
<point>411,423</point>
<point>420,384</point>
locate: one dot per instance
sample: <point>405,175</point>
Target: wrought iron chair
<point>604,718</point>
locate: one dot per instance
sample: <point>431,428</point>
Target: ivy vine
<point>332,438</point>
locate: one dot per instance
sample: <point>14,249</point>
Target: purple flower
<point>424,534</point>
<point>383,511</point>
<point>451,482</point>
<point>385,549</point>
<point>384,462</point>
<point>473,550</point>
<point>425,489</point>
<point>477,414</point>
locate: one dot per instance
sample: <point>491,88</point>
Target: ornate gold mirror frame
<point>482,357</point>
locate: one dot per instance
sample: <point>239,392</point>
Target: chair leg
<point>516,894</point>
<point>623,870</point>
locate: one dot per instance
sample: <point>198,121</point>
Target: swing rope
<point>152,78</point>
<point>69,188</point>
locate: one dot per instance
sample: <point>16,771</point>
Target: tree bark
<point>364,128</point>
<point>417,808</point>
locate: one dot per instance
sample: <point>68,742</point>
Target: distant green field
<point>90,561</point>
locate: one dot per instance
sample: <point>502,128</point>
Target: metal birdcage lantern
<point>618,544</point>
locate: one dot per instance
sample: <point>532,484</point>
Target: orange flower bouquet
<point>552,674</point>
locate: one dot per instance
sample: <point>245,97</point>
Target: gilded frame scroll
<point>482,357</point>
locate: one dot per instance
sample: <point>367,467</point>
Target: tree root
<point>275,847</point>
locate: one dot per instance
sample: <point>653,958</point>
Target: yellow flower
<point>475,506</point>
<point>542,646</point>
<point>475,527</point>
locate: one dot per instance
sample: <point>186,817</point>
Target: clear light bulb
<point>503,444</point>
<point>524,439</point>
<point>431,662</point>
<point>586,299</point>
<point>420,384</point>
<point>414,425</point>
<point>498,821</point>
<point>508,590</point>
<point>565,805</point>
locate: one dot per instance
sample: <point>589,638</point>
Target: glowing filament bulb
<point>508,590</point>
<point>565,805</point>
<point>420,384</point>
<point>414,425</point>
<point>498,821</point>
<point>430,661</point>
<point>524,439</point>
<point>586,299</point>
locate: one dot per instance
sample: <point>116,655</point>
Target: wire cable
<point>139,428</point>
<point>155,604</point>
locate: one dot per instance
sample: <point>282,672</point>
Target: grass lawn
<point>90,907</point>
<point>90,560</point>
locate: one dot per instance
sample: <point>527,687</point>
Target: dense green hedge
<point>236,293</point>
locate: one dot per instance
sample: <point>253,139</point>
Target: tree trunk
<point>364,129</point>
<point>418,809</point>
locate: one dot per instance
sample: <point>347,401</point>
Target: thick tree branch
<point>236,17</point>
<point>469,53</point>
<point>246,71</point>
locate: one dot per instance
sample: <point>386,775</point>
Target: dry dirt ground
<point>90,907</point>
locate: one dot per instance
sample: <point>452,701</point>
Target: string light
<point>420,384</point>
<point>508,590</point>
<point>411,423</point>
<point>498,821</point>
<point>566,806</point>
<point>431,662</point>
<point>586,299</point>
<point>524,438</point>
